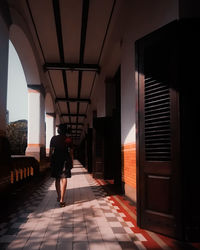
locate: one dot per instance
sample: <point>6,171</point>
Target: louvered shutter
<point>158,132</point>
<point>157,120</point>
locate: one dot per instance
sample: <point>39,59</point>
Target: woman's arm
<point>51,152</point>
<point>52,147</point>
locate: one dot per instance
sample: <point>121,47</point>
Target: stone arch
<point>49,107</point>
<point>20,38</point>
<point>26,54</point>
<point>57,119</point>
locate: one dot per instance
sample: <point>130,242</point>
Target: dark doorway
<point>98,146</point>
<point>113,129</point>
<point>89,149</point>
<point>106,135</point>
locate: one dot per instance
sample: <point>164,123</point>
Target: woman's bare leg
<point>57,185</point>
<point>63,185</point>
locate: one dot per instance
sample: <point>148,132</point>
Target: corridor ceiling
<point>70,35</point>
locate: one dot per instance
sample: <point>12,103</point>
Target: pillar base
<point>36,150</point>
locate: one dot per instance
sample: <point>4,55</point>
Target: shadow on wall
<point>131,135</point>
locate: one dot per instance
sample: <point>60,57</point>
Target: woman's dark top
<point>61,161</point>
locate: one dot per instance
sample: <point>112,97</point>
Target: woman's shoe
<point>62,204</point>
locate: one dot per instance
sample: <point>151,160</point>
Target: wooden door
<point>89,149</point>
<point>117,131</point>
<point>98,147</point>
<point>109,152</point>
<point>158,173</point>
<point>113,130</point>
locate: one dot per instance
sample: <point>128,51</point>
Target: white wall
<point>110,60</point>
<point>50,120</point>
<point>50,130</point>
<point>143,17</point>
<point>98,97</point>
<point>131,21</point>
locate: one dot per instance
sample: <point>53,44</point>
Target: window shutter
<point>157,120</point>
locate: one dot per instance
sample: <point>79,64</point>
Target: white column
<point>50,130</point>
<point>36,124</point>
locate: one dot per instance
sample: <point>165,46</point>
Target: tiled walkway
<point>91,220</point>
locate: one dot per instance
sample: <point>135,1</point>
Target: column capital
<point>51,114</point>
<point>39,88</point>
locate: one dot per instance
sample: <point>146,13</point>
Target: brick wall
<point>128,152</point>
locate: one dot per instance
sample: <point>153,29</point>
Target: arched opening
<point>17,104</point>
<point>36,123</point>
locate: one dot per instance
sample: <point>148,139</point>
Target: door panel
<point>162,185</point>
<point>158,133</point>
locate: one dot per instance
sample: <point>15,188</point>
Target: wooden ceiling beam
<point>72,67</point>
<point>74,123</point>
<point>57,17</point>
<point>59,99</point>
<point>74,115</point>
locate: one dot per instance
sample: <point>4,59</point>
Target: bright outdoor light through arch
<point>17,93</point>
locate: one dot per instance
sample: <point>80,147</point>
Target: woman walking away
<point>61,155</point>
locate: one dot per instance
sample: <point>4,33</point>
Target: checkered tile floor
<point>91,220</point>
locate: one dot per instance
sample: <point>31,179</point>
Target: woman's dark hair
<point>62,129</point>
